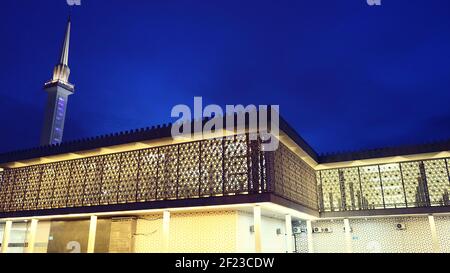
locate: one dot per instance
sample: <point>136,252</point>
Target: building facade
<point>143,191</point>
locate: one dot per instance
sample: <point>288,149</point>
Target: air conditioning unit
<point>317,230</point>
<point>351,230</point>
<point>298,230</point>
<point>400,226</point>
<point>278,231</point>
<point>327,230</point>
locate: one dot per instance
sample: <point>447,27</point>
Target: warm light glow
<point>268,209</point>
<point>144,145</point>
<point>383,160</point>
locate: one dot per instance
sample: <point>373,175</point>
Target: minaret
<point>58,89</point>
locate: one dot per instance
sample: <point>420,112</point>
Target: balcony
<point>208,172</point>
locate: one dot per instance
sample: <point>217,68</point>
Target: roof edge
<point>430,147</point>
<point>164,131</point>
<point>130,136</point>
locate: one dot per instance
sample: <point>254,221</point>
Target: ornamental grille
<point>33,187</point>
<point>147,175</point>
<point>213,167</point>
<point>294,179</point>
<point>189,173</point>
<point>128,178</point>
<point>397,185</point>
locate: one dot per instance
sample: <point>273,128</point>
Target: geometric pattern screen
<point>294,179</point>
<point>213,167</point>
<point>396,185</point>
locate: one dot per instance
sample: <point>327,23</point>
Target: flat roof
<point>164,131</point>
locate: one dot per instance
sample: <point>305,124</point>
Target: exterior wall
<point>395,185</point>
<point>293,178</point>
<point>379,235</point>
<point>225,231</point>
<point>205,232</point>
<point>42,237</point>
<point>2,228</point>
<point>19,233</point>
<point>271,242</point>
<point>333,242</point>
<point>209,232</point>
<point>189,232</point>
<point>18,238</point>
<point>443,232</point>
<point>68,236</point>
<point>149,237</point>
<point>300,239</point>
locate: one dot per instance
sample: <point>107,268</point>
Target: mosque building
<point>144,191</point>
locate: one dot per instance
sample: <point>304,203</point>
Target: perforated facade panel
<point>396,185</point>
<point>214,167</point>
<point>293,178</point>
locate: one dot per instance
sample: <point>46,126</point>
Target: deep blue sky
<point>346,75</point>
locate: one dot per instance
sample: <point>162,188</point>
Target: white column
<point>257,226</point>
<point>92,233</point>
<point>6,236</point>
<point>309,231</point>
<point>166,230</point>
<point>32,236</point>
<point>434,237</point>
<point>348,236</point>
<point>289,241</point>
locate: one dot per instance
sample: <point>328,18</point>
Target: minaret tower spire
<point>58,89</point>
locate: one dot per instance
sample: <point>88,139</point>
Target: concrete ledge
<point>293,205</point>
<point>166,204</point>
<point>162,204</point>
<point>385,212</point>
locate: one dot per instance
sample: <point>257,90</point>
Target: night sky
<point>346,75</point>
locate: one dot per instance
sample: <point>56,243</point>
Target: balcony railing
<point>216,167</point>
<point>411,184</point>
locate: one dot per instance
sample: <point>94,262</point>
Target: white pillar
<point>348,236</point>
<point>32,236</point>
<point>257,226</point>
<point>434,237</point>
<point>166,230</point>
<point>309,231</point>
<point>92,233</point>
<point>6,236</point>
<point>289,241</point>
